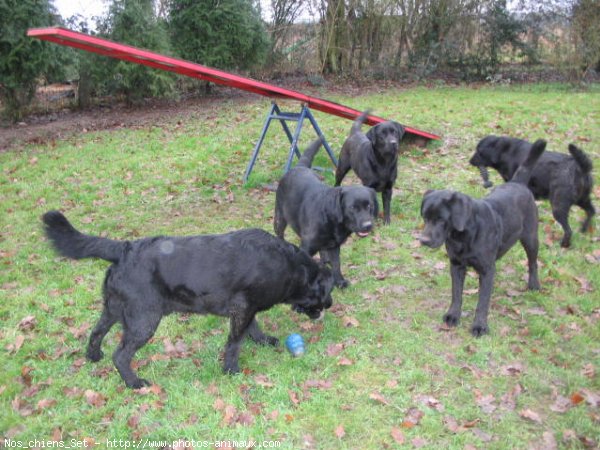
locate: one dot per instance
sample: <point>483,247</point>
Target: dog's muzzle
<point>365,229</point>
<point>429,241</point>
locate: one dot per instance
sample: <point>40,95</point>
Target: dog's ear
<point>460,211</point>
<point>425,195</point>
<point>338,200</point>
<point>400,130</point>
<point>371,135</point>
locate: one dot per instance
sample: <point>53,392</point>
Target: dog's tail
<point>307,157</point>
<point>524,171</point>
<point>356,126</point>
<point>581,158</point>
<point>71,243</point>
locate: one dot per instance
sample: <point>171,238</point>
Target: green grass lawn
<point>381,371</point>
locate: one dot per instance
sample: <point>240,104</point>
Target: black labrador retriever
<point>235,275</point>
<point>322,216</point>
<point>373,157</point>
<point>565,180</point>
<point>477,232</point>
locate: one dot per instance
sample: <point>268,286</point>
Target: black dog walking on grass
<point>479,232</point>
<point>321,215</point>
<point>565,180</point>
<point>235,275</point>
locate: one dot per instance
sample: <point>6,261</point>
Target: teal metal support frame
<point>283,117</point>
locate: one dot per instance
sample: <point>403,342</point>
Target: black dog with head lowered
<point>321,215</point>
<point>373,157</point>
<point>565,180</point>
<point>479,232</point>
<point>235,275</point>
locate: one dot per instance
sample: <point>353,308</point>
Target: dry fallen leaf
<point>263,380</point>
<point>293,397</point>
<point>378,398</point>
<point>397,435</point>
<point>229,414</point>
<point>94,398</point>
<point>530,415</point>
<point>349,321</point>
<point>27,323</point>
<point>413,418</point>
<point>334,349</point>
<point>345,362</point>
<point>339,431</point>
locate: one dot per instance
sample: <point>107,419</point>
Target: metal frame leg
<point>276,114</point>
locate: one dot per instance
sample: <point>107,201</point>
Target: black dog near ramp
<point>565,180</point>
<point>235,275</point>
<point>479,232</point>
<point>321,215</point>
<point>373,157</point>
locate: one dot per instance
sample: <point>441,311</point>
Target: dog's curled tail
<point>71,243</point>
<point>307,157</point>
<point>356,126</point>
<point>524,171</point>
<point>582,160</point>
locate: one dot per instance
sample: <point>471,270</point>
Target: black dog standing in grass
<point>235,275</point>
<point>321,215</point>
<point>479,232</point>
<point>373,157</point>
<point>565,180</point>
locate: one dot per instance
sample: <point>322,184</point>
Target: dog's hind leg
<point>486,283</point>
<point>138,328</point>
<point>257,335</point>
<point>531,244</point>
<point>586,205</point>
<point>107,320</point>
<point>342,168</point>
<point>279,223</point>
<point>457,273</point>
<point>560,212</point>
<point>240,319</point>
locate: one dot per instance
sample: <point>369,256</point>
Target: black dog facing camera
<point>234,275</point>
<point>479,232</point>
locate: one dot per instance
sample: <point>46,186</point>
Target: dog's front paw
<point>267,340</point>
<point>451,319</point>
<point>342,283</point>
<point>533,285</point>
<point>271,340</point>
<point>138,383</point>
<point>487,184</point>
<point>94,355</point>
<point>479,330</point>
<point>231,369</point>
<point>565,242</point>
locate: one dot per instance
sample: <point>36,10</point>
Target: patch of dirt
<point>64,123</point>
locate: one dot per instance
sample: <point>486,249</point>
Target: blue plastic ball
<point>295,344</point>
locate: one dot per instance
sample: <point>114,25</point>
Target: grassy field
<point>381,371</point>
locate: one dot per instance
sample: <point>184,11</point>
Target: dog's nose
<point>367,226</point>
<point>425,240</point>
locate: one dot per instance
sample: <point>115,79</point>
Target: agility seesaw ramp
<point>136,55</point>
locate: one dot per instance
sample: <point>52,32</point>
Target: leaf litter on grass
<point>382,358</point>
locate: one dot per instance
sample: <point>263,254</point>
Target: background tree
<point>586,26</point>
<point>133,22</point>
<point>227,34</point>
<point>25,61</point>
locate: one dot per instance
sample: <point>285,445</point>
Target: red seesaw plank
<point>136,55</point>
